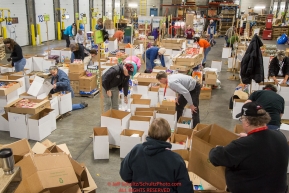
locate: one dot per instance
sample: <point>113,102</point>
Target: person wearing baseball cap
<point>256,162</point>
<point>272,102</point>
<point>115,79</point>
<point>151,54</point>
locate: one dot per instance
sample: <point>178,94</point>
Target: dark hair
<point>160,129</point>
<point>73,24</point>
<point>260,120</point>
<point>270,87</point>
<point>74,47</point>
<point>11,42</point>
<point>93,51</point>
<point>196,39</point>
<point>161,75</point>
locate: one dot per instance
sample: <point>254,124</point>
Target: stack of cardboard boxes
<point>173,43</point>
<point>49,167</point>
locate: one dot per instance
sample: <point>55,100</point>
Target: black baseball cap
<point>250,109</point>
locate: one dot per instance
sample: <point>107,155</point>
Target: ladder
<point>143,7</point>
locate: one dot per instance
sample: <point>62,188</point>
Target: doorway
<point>154,11</point>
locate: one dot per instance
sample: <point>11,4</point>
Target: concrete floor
<point>76,129</point>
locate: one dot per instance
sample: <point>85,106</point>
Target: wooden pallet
<point>92,95</point>
<point>7,180</point>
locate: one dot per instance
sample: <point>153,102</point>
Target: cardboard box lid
<point>129,132</point>
<point>115,114</point>
<point>139,118</point>
<point>184,153</point>
<point>141,101</point>
<point>53,170</point>
<point>100,131</point>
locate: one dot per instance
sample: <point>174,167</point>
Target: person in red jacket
<point>207,48</point>
<point>189,33</point>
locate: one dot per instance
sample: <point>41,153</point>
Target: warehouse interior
<point>38,27</point>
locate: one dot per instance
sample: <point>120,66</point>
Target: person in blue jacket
<point>61,83</point>
<point>152,54</point>
<point>68,33</point>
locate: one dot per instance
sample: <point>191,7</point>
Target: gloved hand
<point>9,59</point>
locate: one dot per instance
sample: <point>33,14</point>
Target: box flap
<point>184,153</point>
<point>48,143</point>
<point>92,186</point>
<point>19,148</point>
<point>177,138</point>
<point>100,131</point>
<point>80,173</point>
<point>39,148</point>
<point>141,101</point>
<point>115,114</point>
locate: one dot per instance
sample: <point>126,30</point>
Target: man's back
<point>272,102</point>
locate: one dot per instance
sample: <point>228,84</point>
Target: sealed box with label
<point>115,121</point>
<point>211,78</point>
<point>128,139</point>
<point>100,143</point>
<point>202,143</point>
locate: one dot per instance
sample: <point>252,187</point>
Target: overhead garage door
<point>43,7</point>
<point>84,9</point>
<point>68,5</point>
<point>18,32</point>
<point>108,9</point>
<point>98,5</point>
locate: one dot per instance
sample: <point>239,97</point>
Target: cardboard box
<point>92,186</point>
<point>205,94</point>
<point>6,91</point>
<point>159,69</point>
<point>38,62</point>
<point>48,175</point>
<point>6,68</point>
<point>199,127</point>
<point>181,123</point>
<point>217,65</point>
<point>180,68</point>
<point>56,51</point>
<point>39,106</point>
<point>87,84</point>
<point>47,63</point>
<point>211,78</point>
<point>80,172</point>
<point>239,129</point>
<point>19,78</point>
<point>143,103</point>
<point>20,149</point>
<point>170,116</point>
<point>202,143</point>
<point>112,44</point>
<point>64,102</point>
<point>39,86</point>
<point>127,142</point>
<point>76,67</point>
<point>148,78</point>
<point>55,106</point>
<point>40,125</point>
<point>18,125</point>
<point>153,94</point>
<point>141,88</point>
<point>75,76</point>
<point>150,114</point>
<point>141,124</point>
<point>28,96</point>
<point>184,131</point>
<point>237,107</point>
<point>179,141</point>
<point>115,121</point>
<point>100,143</point>
<point>4,121</point>
<point>4,100</point>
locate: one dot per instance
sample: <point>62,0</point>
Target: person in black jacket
<point>77,52</point>
<point>18,61</point>
<point>153,167</point>
<point>113,80</point>
<point>257,162</point>
<point>279,66</point>
<point>252,62</point>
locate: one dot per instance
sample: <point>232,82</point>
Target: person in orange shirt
<point>204,44</point>
<point>118,35</point>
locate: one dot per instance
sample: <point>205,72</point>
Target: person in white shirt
<point>279,66</point>
<point>80,38</point>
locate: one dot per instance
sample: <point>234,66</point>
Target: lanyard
<point>165,89</point>
<point>257,130</point>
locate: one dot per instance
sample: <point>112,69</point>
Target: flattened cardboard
<point>202,142</point>
<point>20,148</point>
<point>127,142</point>
<point>100,143</point>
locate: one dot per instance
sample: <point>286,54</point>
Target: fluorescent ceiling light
<point>133,5</point>
<point>259,7</point>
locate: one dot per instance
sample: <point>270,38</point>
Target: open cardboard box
<point>115,121</point>
<point>144,103</point>
<point>202,143</point>
<point>48,147</point>
<point>39,106</point>
<point>150,114</point>
<point>199,127</point>
<point>6,91</point>
<point>181,123</point>
<point>179,141</point>
<point>100,143</point>
<point>127,142</point>
<point>141,124</point>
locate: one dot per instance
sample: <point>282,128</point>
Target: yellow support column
<point>4,32</point>
<point>77,24</point>
<point>39,33</point>
<point>93,24</point>
<point>58,31</point>
<point>62,25</point>
<point>33,35</point>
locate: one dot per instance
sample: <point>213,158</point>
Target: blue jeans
<point>127,39</point>
<point>19,65</point>
<point>77,106</point>
<point>149,66</point>
<point>206,51</point>
<point>273,127</point>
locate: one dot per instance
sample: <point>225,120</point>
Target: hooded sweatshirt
<point>153,167</point>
